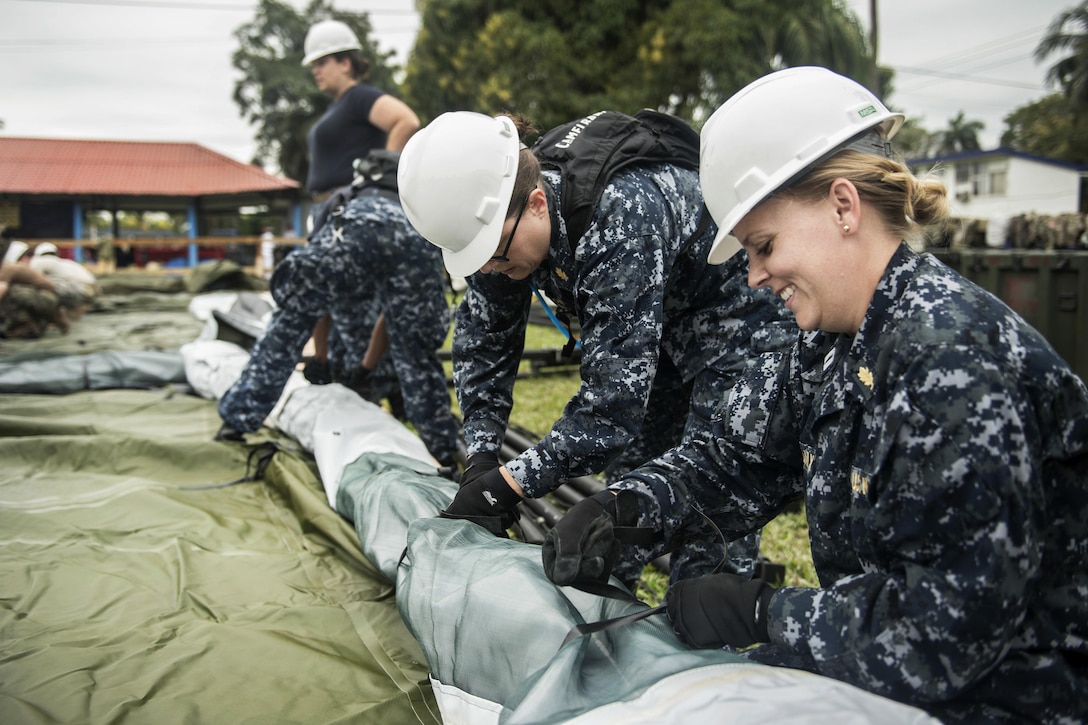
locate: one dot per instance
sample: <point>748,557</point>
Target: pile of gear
<point>40,290</point>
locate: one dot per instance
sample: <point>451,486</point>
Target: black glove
<point>226,433</point>
<point>477,465</point>
<point>359,379</point>
<point>582,546</point>
<point>719,609</point>
<point>317,371</point>
<point>449,468</point>
<point>488,501</point>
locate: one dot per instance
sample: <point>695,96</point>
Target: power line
<point>986,49</point>
<point>185,5</point>
<point>968,78</point>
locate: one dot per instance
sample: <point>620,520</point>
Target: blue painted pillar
<point>77,228</point>
<point>194,257</point>
<point>298,222</point>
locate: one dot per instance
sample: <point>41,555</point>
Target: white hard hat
<point>456,178</point>
<point>328,37</point>
<point>45,248</point>
<point>15,251</point>
<point>772,130</point>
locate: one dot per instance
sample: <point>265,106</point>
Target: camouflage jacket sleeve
<point>489,336</point>
<point>747,466</point>
<point>619,285</point>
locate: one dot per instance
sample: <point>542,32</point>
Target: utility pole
<point>874,80</point>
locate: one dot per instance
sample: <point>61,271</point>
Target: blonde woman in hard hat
<point>939,443</point>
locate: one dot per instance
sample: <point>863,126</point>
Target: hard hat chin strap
<point>871,142</point>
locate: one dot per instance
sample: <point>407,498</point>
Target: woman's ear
<point>846,202</point>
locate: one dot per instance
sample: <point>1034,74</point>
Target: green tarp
<point>127,597</point>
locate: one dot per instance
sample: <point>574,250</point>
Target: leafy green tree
<point>1068,33</point>
<point>276,93</point>
<point>1068,36</point>
<point>913,141</point>
<point>1046,128</point>
<point>556,61</point>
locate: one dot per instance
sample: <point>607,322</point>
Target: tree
<point>560,60</point>
<point>1046,128</point>
<point>276,93</point>
<point>961,135</point>
<point>913,141</point>
<point>1068,32</point>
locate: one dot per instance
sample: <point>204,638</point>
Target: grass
<point>539,402</point>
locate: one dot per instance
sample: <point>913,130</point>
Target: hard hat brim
<point>474,255</point>
<point>306,60</point>
<point>724,247</point>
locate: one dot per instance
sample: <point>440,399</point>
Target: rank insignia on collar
<point>865,375</point>
<point>560,274</point>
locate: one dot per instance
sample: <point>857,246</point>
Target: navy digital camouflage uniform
<point>658,327</point>
<point>943,459</point>
<point>380,265</point>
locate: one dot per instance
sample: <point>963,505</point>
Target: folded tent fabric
<point>58,374</point>
<point>492,628</point>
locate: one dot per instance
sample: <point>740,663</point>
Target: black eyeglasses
<point>510,239</point>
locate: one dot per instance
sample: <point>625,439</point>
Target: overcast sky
<point>160,70</point>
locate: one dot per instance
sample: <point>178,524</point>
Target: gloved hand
<point>449,468</point>
<point>226,433</point>
<point>719,609</point>
<point>477,465</point>
<point>317,371</point>
<point>358,379</point>
<point>582,546</point>
<point>488,501</point>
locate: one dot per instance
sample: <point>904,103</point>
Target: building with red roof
<point>48,187</point>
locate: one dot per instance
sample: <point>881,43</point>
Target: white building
<point>1003,183</point>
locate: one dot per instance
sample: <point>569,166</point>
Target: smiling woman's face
<point>799,251</point>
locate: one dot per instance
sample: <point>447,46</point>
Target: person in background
<point>374,262</point>
<point>76,286</point>
<point>29,305</point>
<point>361,117</point>
<point>647,305</point>
<point>939,442</point>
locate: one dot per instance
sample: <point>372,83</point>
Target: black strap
<point>263,453</point>
<point>605,624</point>
<point>704,224</point>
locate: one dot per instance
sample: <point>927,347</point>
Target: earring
<point>845,228</point>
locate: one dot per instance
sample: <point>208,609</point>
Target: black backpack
<point>376,170</point>
<point>587,152</point>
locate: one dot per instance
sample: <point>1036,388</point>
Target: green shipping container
<point>1049,289</point>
